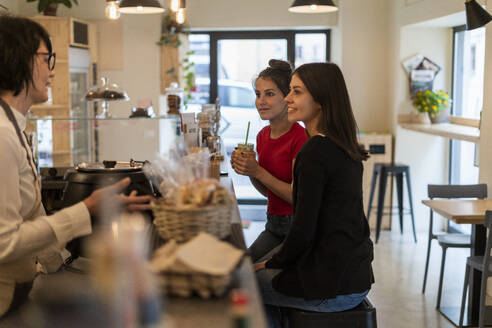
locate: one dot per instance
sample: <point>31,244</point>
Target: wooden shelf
<point>49,106</point>
<point>446,130</point>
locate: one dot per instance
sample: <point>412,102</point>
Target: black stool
<point>396,170</point>
<point>362,316</point>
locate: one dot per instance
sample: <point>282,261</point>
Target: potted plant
<point>49,7</point>
<point>435,104</point>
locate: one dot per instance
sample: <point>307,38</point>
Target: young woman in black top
<point>324,264</point>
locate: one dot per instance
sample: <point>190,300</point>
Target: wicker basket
<point>189,284</point>
<point>183,223</point>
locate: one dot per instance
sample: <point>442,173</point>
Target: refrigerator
<point>81,125</point>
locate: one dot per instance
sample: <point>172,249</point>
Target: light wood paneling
<point>169,62</point>
<point>59,30</point>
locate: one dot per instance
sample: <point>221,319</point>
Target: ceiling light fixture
<point>180,16</point>
<point>476,16</point>
<point>176,5</point>
<point>140,7</point>
<point>313,6</point>
<point>112,9</point>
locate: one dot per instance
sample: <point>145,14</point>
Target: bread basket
<point>182,223</point>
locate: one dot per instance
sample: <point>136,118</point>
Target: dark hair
<point>326,84</point>
<point>19,42</point>
<point>280,72</point>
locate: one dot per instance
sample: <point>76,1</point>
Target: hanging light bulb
<point>112,9</point>
<point>180,16</point>
<point>174,5</point>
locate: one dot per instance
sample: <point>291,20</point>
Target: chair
<point>481,263</point>
<point>362,316</point>
<point>449,240</point>
<point>399,171</point>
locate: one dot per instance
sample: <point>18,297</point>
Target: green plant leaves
<point>431,102</point>
<point>43,4</point>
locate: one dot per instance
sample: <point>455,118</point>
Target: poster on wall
<point>421,73</point>
<point>421,80</point>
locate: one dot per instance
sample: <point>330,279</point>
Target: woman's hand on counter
<point>259,266</point>
<point>110,195</point>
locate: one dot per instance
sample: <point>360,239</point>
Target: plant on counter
<point>48,7</point>
<point>170,37</point>
<point>431,102</point>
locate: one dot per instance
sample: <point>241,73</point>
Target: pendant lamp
<point>313,6</point>
<point>476,16</point>
<point>141,7</point>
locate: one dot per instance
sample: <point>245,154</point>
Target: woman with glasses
<point>27,235</point>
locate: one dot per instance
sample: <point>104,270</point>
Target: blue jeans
<point>276,229</point>
<point>274,300</point>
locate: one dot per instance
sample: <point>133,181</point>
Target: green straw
<point>247,134</point>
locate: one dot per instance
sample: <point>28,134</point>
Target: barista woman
<point>324,264</point>
<point>277,145</point>
<point>27,235</point>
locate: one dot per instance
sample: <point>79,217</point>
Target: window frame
<point>289,35</point>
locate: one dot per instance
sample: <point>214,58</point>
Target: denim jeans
<point>276,229</point>
<point>274,300</point>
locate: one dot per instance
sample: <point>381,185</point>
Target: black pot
<point>82,181</point>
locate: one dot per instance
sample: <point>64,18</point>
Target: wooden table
<point>467,212</point>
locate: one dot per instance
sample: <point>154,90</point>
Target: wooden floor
<point>398,269</point>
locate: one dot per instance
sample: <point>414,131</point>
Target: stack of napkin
<point>202,265</point>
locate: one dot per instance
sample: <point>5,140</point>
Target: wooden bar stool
<point>398,171</point>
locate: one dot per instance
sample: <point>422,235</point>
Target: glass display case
<point>95,139</point>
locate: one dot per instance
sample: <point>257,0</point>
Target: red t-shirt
<point>276,156</point>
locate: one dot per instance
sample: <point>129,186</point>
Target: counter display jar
<point>174,98</point>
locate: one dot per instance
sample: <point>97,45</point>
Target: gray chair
<point>449,240</point>
<point>481,263</point>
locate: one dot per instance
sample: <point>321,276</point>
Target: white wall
<point>364,60</point>
<point>11,4</point>
<point>227,14</point>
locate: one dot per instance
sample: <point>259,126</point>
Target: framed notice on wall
<point>421,73</point>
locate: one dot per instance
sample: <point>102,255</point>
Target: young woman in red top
<point>277,146</point>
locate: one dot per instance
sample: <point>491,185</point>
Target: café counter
<point>178,312</point>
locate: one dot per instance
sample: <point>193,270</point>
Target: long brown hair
<point>326,84</point>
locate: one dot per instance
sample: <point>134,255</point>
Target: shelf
<point>47,118</point>
<point>446,130</point>
<point>49,106</point>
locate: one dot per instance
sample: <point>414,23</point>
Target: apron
<point>16,277</point>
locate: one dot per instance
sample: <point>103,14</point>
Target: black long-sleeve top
<point>328,251</point>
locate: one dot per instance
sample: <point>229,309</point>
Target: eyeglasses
<point>51,59</point>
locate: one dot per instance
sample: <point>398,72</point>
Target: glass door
<point>81,131</point>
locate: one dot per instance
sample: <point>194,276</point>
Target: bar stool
<point>398,171</point>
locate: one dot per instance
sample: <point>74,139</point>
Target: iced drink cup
<point>246,150</point>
